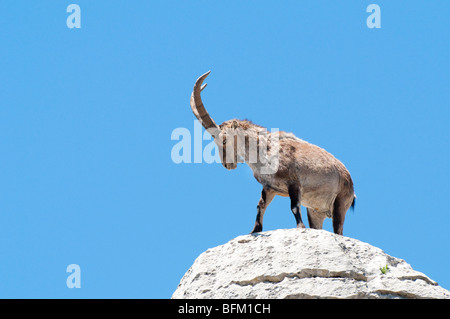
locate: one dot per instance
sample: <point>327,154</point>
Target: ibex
<point>308,174</point>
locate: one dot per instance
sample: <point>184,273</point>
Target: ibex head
<point>228,136</point>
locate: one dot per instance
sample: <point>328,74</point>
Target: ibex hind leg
<point>315,218</point>
<point>340,207</point>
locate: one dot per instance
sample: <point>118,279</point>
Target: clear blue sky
<point>86,116</point>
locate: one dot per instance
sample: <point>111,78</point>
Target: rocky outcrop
<point>302,263</point>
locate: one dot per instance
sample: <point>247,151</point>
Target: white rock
<point>302,263</point>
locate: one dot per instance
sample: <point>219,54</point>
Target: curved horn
<point>199,109</point>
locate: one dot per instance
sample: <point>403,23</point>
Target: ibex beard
<point>285,165</point>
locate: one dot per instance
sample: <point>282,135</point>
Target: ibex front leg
<point>266,197</point>
<point>294,194</point>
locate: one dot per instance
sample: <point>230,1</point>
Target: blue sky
<point>86,117</point>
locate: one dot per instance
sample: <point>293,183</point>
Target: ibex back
<point>285,165</point>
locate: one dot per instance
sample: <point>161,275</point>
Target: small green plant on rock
<point>384,269</point>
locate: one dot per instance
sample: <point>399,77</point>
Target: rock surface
<point>302,263</point>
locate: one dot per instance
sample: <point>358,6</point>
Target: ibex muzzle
<point>285,165</point>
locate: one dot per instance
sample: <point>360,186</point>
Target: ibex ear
<point>235,124</point>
